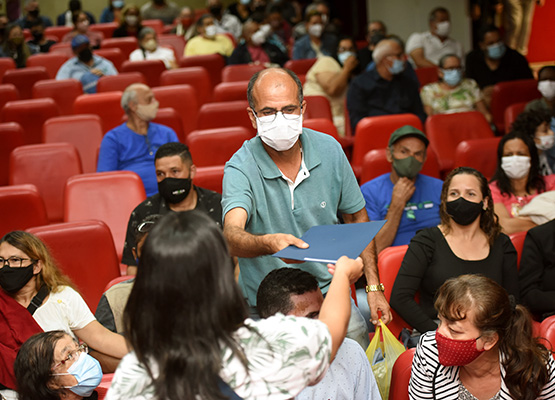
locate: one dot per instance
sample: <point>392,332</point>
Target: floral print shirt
<point>459,99</point>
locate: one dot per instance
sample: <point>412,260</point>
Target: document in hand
<point>327,243</point>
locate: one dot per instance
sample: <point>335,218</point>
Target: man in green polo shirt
<point>282,182</point>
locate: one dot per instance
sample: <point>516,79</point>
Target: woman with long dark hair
<point>189,329</point>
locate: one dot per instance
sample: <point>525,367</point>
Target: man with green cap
<point>408,200</point>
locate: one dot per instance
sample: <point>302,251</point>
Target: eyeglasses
<point>82,348</point>
<point>13,262</point>
<point>288,112</point>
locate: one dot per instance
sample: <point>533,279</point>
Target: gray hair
<point>254,78</point>
<point>129,95</point>
<point>383,47</point>
<point>444,58</point>
<point>146,31</point>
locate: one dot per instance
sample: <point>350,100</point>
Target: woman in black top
<point>467,241</point>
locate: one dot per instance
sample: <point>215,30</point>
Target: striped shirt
<point>426,369</point>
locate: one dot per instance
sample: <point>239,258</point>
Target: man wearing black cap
<point>408,200</point>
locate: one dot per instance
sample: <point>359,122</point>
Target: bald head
<point>134,93</point>
<point>269,82</point>
<point>386,48</point>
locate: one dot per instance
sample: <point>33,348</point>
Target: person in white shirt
<point>150,50</point>
<point>225,22</point>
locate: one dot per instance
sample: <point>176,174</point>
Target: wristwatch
<point>375,288</point>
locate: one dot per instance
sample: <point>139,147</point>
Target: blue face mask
<point>88,373</point>
<point>496,51</point>
<point>342,57</point>
<point>117,4</point>
<point>397,67</point>
<point>452,77</point>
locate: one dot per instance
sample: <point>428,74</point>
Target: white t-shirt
<point>433,47</point>
<point>161,53</point>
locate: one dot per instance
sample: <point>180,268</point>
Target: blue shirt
<point>73,68</point>
<point>252,181</point>
<point>303,49</point>
<point>421,211</point>
<point>123,149</point>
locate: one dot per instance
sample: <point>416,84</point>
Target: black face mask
<point>38,36</point>
<point>376,37</point>
<point>34,13</point>
<point>174,190</point>
<point>464,212</point>
<point>216,11</point>
<point>85,55</point>
<point>13,279</point>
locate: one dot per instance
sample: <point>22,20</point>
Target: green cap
<point>405,131</point>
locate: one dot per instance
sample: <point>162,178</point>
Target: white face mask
<point>342,57</point>
<point>443,28</point>
<point>258,37</point>
<point>515,167</point>
<point>210,31</point>
<point>279,133</point>
<point>547,89</point>
<point>131,20</point>
<point>147,112</point>
<point>546,142</point>
<point>316,30</point>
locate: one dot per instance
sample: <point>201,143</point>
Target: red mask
<point>456,352</point>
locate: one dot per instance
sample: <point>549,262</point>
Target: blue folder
<point>327,243</point>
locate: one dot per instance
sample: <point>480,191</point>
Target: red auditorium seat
<point>64,48</point>
<point>85,252</point>
<point>210,178</point>
<point>226,114</point>
<point>511,92</point>
<point>22,208</point>
<point>175,41</point>
<point>230,91</point>
<point>375,164</point>
<point>197,77</point>
<point>317,107</point>
<point>58,31</point>
<point>214,63</point>
<point>511,113</point>
<point>63,92</point>
<point>51,61</point>
<point>8,92</point>
<point>119,82</point>
<point>106,105</point>
<point>115,281</point>
<point>99,196</point>
<point>24,79</point>
<point>31,115</point>
<point>155,24</point>
<point>183,99</point>
<point>113,54</point>
<point>374,132</point>
<point>400,376</point>
<point>300,67</point>
<point>11,136</point>
<point>151,69</point>
<point>169,117</point>
<point>6,64</point>
<point>547,332</point>
<point>446,131</point>
<point>480,154</point>
<point>518,241</point>
<point>426,75</point>
<point>107,28</point>
<point>240,72</point>
<point>125,44</point>
<point>326,126</point>
<point>47,166</point>
<point>84,131</point>
<point>216,146</point>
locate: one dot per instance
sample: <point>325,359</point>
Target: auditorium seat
<point>119,82</point>
<point>197,77</point>
<point>8,92</point>
<point>480,154</point>
<point>183,99</point>
<point>517,239</point>
<point>214,63</point>
<point>300,67</point>
<point>24,79</point>
<point>216,146</point>
<point>240,72</point>
<point>155,24</point>
<point>426,75</point>
<point>112,54</point>
<point>151,69</point>
<point>11,136</point>
<point>506,93</point>
<point>323,125</point>
<point>64,48</point>
<point>169,117</point>
<point>317,107</point>
<point>6,64</point>
<point>400,376</point>
<point>175,41</point>
<point>51,61</point>
<point>106,105</point>
<point>511,113</point>
<point>547,333</point>
<point>62,91</point>
<point>22,208</point>
<point>31,115</point>
<point>58,31</point>
<point>210,178</point>
<point>106,28</point>
<point>125,44</point>
<point>225,114</point>
<point>230,91</point>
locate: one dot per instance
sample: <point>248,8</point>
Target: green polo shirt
<point>253,182</point>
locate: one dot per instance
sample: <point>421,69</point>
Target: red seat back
<point>230,91</point>
<point>58,31</point>
<point>63,92</point>
<point>23,208</point>
<point>323,125</point>
<point>113,54</point>
<point>11,136</point>
<point>511,92</point>
<point>51,61</point>
<point>400,376</point>
<point>216,146</point>
<point>151,69</point>
<point>47,166</point>
<point>446,131</point>
<point>317,107</point>
<point>511,112</point>
<point>547,333</point>
<point>426,75</point>
<point>111,83</point>
<point>214,63</point>
<point>197,77</point>
<point>99,196</point>
<point>155,24</point>
<point>85,252</point>
<point>125,44</point>
<point>300,67</point>
<point>8,92</point>
<point>106,105</point>
<point>518,241</point>
<point>480,154</point>
<point>83,131</point>
<point>169,117</point>
<point>64,48</point>
<point>31,115</point>
<point>6,64</point>
<point>240,72</point>
<point>183,99</point>
<point>175,41</point>
<point>106,28</point>
<point>24,79</point>
<point>210,178</point>
<point>226,114</point>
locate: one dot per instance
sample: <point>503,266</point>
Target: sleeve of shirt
<point>356,103</point>
<point>495,193</point>
<point>426,95</point>
<point>366,385</point>
<point>136,55</point>
<point>228,46</point>
<point>236,191</point>
<point>104,314</point>
<point>63,72</point>
<point>474,90</point>
<point>372,207</point>
<point>127,255</point>
<point>421,380</point>
<point>108,154</point>
<point>548,391</point>
<point>510,269</point>
<point>190,49</point>
<point>351,196</point>
<point>78,313</point>
<point>110,69</point>
<point>414,42</point>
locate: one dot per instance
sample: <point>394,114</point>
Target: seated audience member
<point>241,10</point>
<point>112,303</point>
<point>291,291</point>
<point>53,365</point>
<point>130,22</point>
<point>536,124</point>
<point>112,12</point>
<point>517,180</point>
<point>4,22</point>
<point>546,86</point>
<point>202,321</point>
<point>493,62</point>
<point>537,270</point>
<point>149,49</point>
<point>30,276</point>
<point>208,41</point>
<point>39,43</point>
<point>408,200</point>
<point>316,42</point>
<point>66,18</point>
<point>185,23</point>
<point>453,93</point>
<point>225,22</point>
<point>31,14</point>
<point>14,46</point>
<point>85,66</point>
<point>81,27</point>
<point>384,89</point>
<point>281,30</point>
<point>256,49</point>
<point>319,6</point>
<point>164,10</point>
<point>484,347</point>
<point>467,241</point>
<point>131,146</point>
<point>376,32</point>
<point>174,172</point>
<point>426,49</point>
<point>330,77</point>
